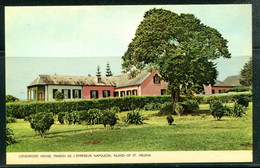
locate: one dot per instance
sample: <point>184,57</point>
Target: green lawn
<point>189,133</point>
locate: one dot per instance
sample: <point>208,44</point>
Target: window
<point>106,93</point>
<point>213,91</point>
<point>222,91</point>
<point>66,93</point>
<point>134,92</point>
<point>122,93</point>
<point>128,93</point>
<point>93,94</point>
<point>116,94</point>
<point>76,93</point>
<point>156,79</point>
<point>163,91</point>
<point>53,92</point>
<point>203,92</point>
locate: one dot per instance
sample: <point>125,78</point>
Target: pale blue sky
<point>103,31</point>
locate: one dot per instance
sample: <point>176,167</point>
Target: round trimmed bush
<point>109,117</point>
<point>41,122</point>
<point>217,110</point>
<point>170,119</point>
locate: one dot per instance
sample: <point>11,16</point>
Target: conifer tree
<point>108,70</point>
<point>98,74</point>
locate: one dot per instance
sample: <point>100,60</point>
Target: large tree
<point>247,74</point>
<point>181,47</point>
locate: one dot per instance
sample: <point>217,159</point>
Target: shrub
<point>238,110</point>
<point>166,110</point>
<point>244,101</point>
<point>134,117</point>
<point>190,106</point>
<point>68,118</point>
<point>115,109</point>
<point>83,115</point>
<point>10,120</point>
<point>41,122</point>
<point>227,111</point>
<point>93,116</point>
<point>239,89</point>
<point>166,104</point>
<point>170,119</point>
<point>9,135</point>
<point>153,106</point>
<point>58,96</point>
<point>108,117</point>
<point>105,118</point>
<point>75,117</point>
<point>217,110</point>
<point>10,98</point>
<point>179,109</point>
<point>61,117</point>
<point>26,118</point>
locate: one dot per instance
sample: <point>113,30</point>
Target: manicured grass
<point>190,133</point>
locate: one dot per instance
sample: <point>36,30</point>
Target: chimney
<point>98,79</point>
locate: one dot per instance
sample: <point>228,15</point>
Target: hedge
<point>239,89</point>
<point>23,109</point>
<point>224,98</point>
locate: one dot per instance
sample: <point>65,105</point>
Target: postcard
<point>113,84</point>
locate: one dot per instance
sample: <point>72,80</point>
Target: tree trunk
<point>175,98</point>
<point>91,131</point>
<point>42,134</point>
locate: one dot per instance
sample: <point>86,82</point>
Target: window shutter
<point>97,94</point>
<point>103,93</point>
<point>79,93</point>
<point>108,93</point>
<point>69,93</point>
<point>73,93</point>
<point>62,91</point>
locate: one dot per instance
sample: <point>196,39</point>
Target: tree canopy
<point>10,98</point>
<point>247,74</point>
<point>180,46</point>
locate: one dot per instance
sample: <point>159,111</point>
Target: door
<point>40,97</point>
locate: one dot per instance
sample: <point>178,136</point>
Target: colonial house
<point>43,88</point>
<point>220,87</point>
